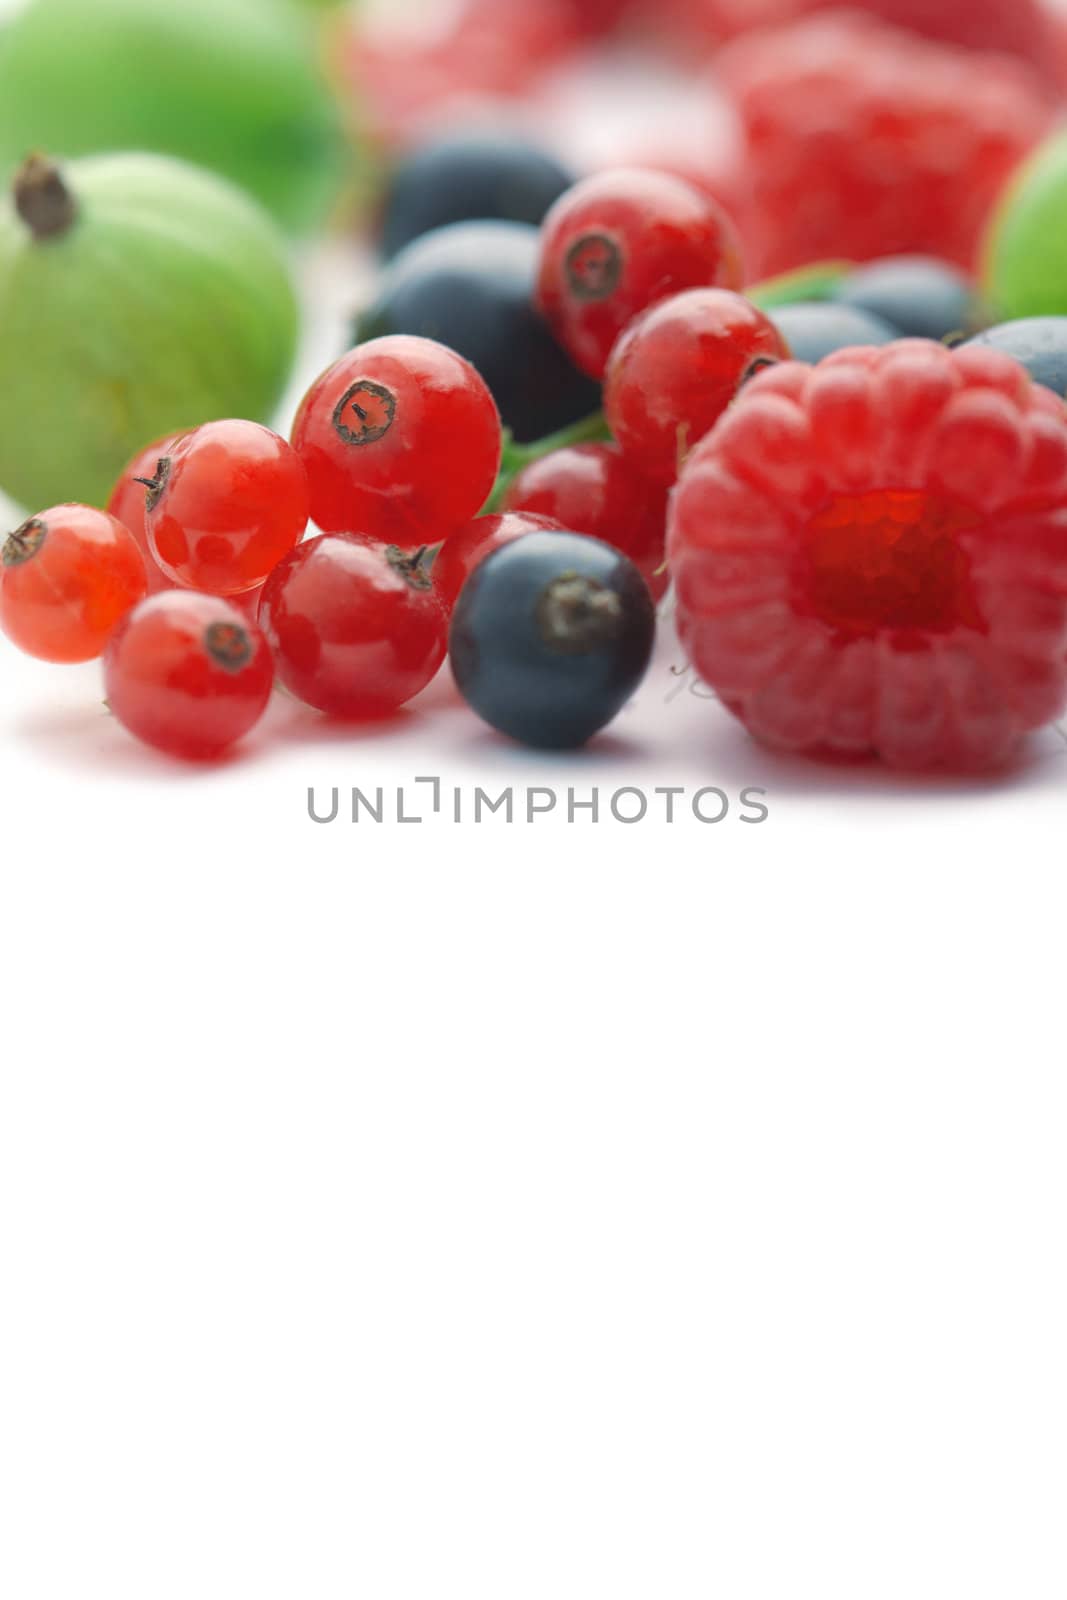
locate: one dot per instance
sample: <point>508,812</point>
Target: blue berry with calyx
<point>470,286</point>
<point>920,296</point>
<point>473,175</point>
<point>1038,343</point>
<point>550,637</point>
<point>814,329</point>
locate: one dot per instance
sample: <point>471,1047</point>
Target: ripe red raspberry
<point>712,22</point>
<point>410,74</point>
<point>870,555</point>
<point>864,141</point>
<point>1057,58</point>
<point>1016,27</point>
<point>598,17</point>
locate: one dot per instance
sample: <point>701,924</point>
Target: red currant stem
<point>412,565</point>
<point>817,282</point>
<point>591,430</point>
<point>24,543</point>
<point>42,198</point>
<point>154,487</point>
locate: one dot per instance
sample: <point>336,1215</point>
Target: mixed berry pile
<point>568,394</point>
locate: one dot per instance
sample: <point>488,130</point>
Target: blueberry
<point>471,286</point>
<point>1038,343</point>
<point>813,330</point>
<point>467,176</point>
<point>919,296</point>
<point>550,637</point>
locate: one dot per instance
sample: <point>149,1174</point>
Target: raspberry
<point>870,555</point>
<point>598,17</point>
<point>408,75</point>
<point>1057,28</point>
<point>712,22</point>
<point>865,141</point>
<point>1016,27</point>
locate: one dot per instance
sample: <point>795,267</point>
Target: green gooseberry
<point>235,86</point>
<point>1024,258</point>
<point>139,297</point>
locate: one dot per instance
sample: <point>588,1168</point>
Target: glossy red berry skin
<point>401,441</point>
<point>188,673</point>
<point>66,578</point>
<point>249,601</point>
<point>224,507</point>
<point>355,626</point>
<point>675,370</point>
<point>618,242</point>
<point>128,504</point>
<point>594,489</point>
<point>870,555</point>
<point>463,550</point>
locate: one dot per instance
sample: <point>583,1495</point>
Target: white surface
<point>525,1213</point>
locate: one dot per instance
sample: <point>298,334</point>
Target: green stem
<point>42,198</point>
<point>591,430</point>
<point>815,282</point>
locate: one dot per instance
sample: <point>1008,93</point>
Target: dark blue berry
<point>919,296</point>
<point>813,330</point>
<point>471,286</point>
<point>551,635</point>
<point>470,176</point>
<point>1037,343</point>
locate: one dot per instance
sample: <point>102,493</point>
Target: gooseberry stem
<point>42,198</point>
<point>591,430</point>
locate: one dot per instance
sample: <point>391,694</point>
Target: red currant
<point>462,551</point>
<point>676,369</point>
<point>127,504</point>
<point>401,440</point>
<point>355,625</point>
<point>188,673</point>
<point>618,242</point>
<point>225,505</point>
<point>249,601</point>
<point>594,489</point>
<point>66,577</point>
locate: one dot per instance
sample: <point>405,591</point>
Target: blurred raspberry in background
<point>411,67</point>
<point>863,140</point>
<point>880,128</point>
<point>1019,27</point>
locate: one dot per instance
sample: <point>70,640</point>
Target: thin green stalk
<point>591,430</point>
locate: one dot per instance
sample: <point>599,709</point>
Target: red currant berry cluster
<point>200,589</point>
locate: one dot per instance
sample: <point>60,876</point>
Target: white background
<point>564,1212</point>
